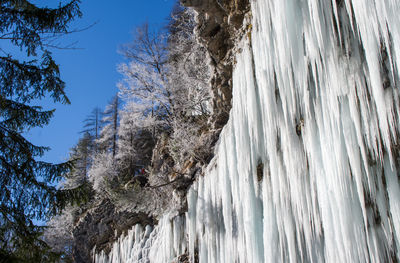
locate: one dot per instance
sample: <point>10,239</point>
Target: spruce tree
<point>27,184</point>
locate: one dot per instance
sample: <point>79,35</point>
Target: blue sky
<point>90,71</point>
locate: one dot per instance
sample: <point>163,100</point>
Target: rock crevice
<point>220,23</point>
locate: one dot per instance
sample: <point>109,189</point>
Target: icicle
<point>320,115</point>
<point>161,244</point>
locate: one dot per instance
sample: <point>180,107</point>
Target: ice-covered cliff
<point>306,169</point>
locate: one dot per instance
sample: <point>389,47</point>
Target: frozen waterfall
<point>306,168</point>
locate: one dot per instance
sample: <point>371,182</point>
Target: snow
<point>316,101</point>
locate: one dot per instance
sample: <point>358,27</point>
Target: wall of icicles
<point>307,168</point>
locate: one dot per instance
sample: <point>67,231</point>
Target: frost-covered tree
<point>93,123</point>
<point>167,73</point>
<point>188,67</point>
<point>81,155</point>
<point>145,86</point>
<point>167,81</point>
<point>107,141</point>
<point>59,228</point>
<point>58,233</point>
<point>135,142</point>
<point>102,172</point>
<point>188,77</point>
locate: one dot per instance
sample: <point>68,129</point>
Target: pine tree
<point>25,182</point>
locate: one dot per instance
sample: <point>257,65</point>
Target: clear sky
<point>90,72</point>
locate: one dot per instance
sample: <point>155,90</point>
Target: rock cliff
<point>219,24</point>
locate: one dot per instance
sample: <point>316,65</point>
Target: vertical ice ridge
<point>160,244</point>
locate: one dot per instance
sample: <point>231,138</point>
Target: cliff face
<point>101,227</point>
<point>306,168</point>
<point>219,26</point>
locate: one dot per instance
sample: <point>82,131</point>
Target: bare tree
<point>110,122</point>
<point>188,77</point>
<point>135,143</point>
<point>93,123</point>
<point>145,75</point>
